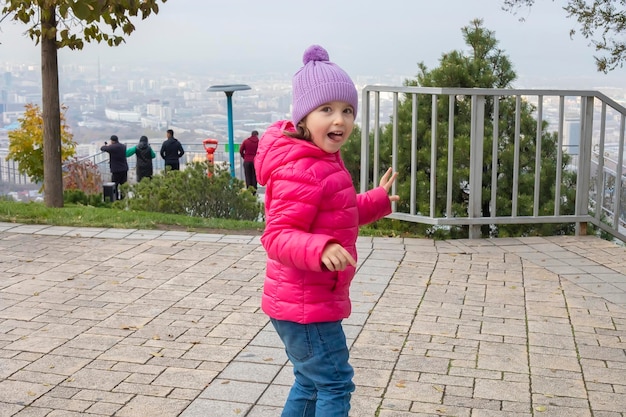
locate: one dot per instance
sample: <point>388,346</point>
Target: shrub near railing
<point>192,192</point>
<point>83,175</point>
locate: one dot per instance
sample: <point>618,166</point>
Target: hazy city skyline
<point>366,38</point>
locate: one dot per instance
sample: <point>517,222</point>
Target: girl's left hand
<point>386,182</point>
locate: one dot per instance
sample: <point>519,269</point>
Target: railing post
<point>584,162</point>
<point>365,140</point>
<point>477,137</point>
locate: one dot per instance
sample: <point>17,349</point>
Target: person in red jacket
<point>312,219</point>
<point>247,150</point>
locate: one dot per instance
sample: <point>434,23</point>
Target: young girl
<point>313,214</point>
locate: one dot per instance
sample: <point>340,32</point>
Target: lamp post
<point>229,89</point>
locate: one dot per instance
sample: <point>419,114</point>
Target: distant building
<point>571,136</point>
<point>123,115</point>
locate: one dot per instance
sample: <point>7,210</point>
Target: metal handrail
<point>193,152</point>
<point>595,120</point>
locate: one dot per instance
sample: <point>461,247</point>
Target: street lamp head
<point>229,88</point>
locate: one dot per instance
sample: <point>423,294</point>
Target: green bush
<point>81,198</point>
<point>194,193</point>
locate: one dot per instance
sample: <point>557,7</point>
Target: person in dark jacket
<point>171,151</point>
<point>247,150</point>
<point>117,162</point>
<point>144,154</point>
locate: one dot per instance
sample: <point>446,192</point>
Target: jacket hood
<point>276,150</point>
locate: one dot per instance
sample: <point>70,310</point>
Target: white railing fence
<point>587,127</point>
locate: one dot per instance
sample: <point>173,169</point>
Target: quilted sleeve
<point>373,205</point>
<point>295,198</point>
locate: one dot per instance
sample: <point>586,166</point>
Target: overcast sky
<point>365,37</point>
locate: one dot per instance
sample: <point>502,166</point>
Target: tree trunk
<point>51,111</point>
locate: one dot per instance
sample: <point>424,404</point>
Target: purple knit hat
<point>320,81</point>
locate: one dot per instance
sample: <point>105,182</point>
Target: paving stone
<point>144,406</point>
<point>264,411</point>
<point>226,390</point>
<point>95,379</point>
<point>143,389</point>
<point>135,354</point>
<point>21,393</point>
<point>71,405</point>
<point>501,390</point>
<point>7,409</point>
<point>9,366</point>
<point>202,408</point>
<point>414,391</point>
<point>47,379</point>
<point>253,372</point>
<point>184,394</point>
<point>102,408</point>
<point>185,378</point>
<point>559,387</point>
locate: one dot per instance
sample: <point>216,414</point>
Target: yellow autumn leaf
<point>541,408</point>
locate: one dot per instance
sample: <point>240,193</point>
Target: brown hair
<point>301,132</point>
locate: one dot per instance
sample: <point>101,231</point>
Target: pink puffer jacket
<point>310,201</point>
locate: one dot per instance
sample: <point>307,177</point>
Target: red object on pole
<point>210,145</point>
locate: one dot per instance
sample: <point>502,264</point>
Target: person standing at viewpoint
<point>117,162</point>
<point>171,151</point>
<point>144,155</point>
<point>312,219</point>
<point>247,150</point>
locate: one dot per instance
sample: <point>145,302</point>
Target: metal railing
<point>589,127</point>
<point>9,172</point>
<point>193,152</point>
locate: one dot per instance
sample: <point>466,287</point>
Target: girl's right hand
<point>336,258</point>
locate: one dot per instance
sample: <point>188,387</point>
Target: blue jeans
<point>319,354</point>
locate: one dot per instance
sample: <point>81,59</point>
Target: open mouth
<point>336,135</point>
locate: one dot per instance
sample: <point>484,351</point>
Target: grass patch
<point>88,216</point>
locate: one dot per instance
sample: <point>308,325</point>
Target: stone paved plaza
<point>137,323</point>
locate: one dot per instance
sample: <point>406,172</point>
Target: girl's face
<point>330,125</point>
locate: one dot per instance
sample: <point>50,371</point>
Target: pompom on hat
<point>320,81</point>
